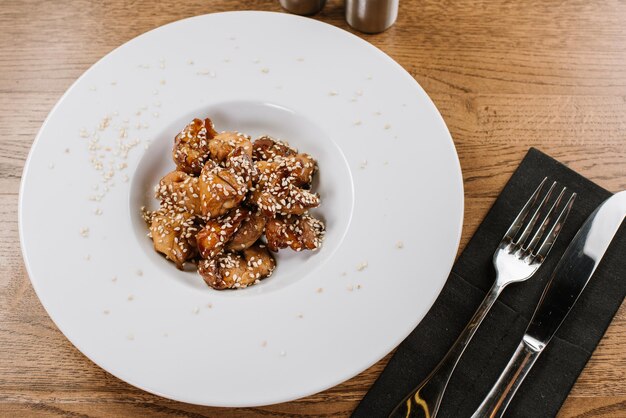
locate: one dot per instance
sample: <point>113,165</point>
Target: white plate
<point>389,177</point>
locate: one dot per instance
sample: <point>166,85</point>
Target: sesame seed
<point>283,353</point>
<point>209,305</point>
<point>300,316</point>
<point>361,266</point>
<point>265,70</point>
<point>131,298</point>
<point>162,82</point>
<point>98,211</point>
<point>84,232</point>
<point>51,166</point>
<point>263,343</point>
<point>357,122</point>
<point>139,273</point>
<point>130,337</point>
<point>359,92</point>
<point>399,244</point>
<point>190,62</point>
<point>350,288</point>
<point>387,126</point>
<point>106,312</point>
<point>196,310</point>
<point>87,257</point>
<point>332,93</point>
<point>320,290</point>
<point>114,279</point>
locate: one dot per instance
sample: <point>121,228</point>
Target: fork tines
<point>520,235</point>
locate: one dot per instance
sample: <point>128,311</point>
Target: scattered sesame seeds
<point>387,126</point>
<point>84,232</point>
<point>196,310</point>
<point>362,266</point>
<point>131,298</point>
<point>399,244</point>
<point>139,273</point>
<point>83,133</point>
<point>265,70</point>
<point>98,211</point>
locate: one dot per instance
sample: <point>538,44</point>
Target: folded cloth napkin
<point>545,388</point>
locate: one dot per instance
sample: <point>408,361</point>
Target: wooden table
<point>506,75</point>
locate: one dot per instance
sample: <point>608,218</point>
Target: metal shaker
<point>371,16</point>
<point>303,7</point>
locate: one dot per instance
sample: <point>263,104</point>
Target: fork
<point>516,259</point>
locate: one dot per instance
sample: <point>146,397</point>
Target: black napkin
<point>549,382</point>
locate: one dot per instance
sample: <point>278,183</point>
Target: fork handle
<point>496,402</point>
<point>424,401</point>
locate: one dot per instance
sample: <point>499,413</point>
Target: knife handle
<point>494,405</point>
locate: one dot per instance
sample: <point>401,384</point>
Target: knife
<point>571,275</point>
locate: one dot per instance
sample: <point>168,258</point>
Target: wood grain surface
<point>506,75</point>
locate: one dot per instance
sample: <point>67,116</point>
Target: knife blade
<point>569,279</point>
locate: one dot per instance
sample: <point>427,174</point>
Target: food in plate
<point>231,202</point>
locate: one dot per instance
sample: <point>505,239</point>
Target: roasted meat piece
<point>237,270</point>
<point>191,146</point>
<point>298,232</point>
<point>217,232</point>
<point>225,142</point>
<point>173,234</point>
<point>248,232</point>
<point>179,191</point>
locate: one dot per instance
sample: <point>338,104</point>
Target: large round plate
<point>391,190</point>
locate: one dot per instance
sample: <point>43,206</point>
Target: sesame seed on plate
<point>263,343</point>
<point>320,290</point>
<point>106,312</point>
<point>265,70</point>
<point>361,266</point>
<point>130,337</point>
<point>84,232</point>
<point>399,244</point>
<point>387,126</point>
<point>139,273</point>
<point>196,310</point>
<point>283,353</point>
<point>131,298</point>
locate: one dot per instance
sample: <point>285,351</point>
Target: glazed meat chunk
<point>232,270</point>
<point>180,191</point>
<point>191,146</point>
<point>173,234</point>
<point>298,232</point>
